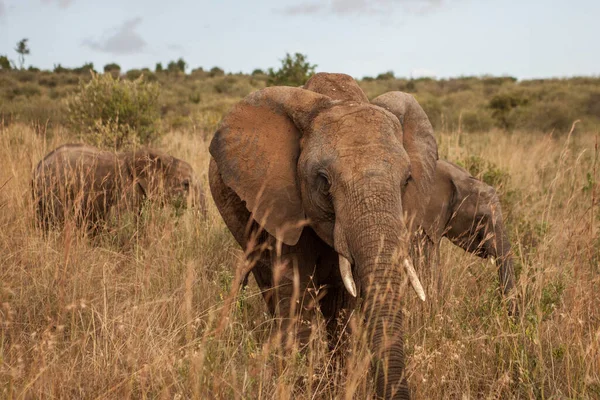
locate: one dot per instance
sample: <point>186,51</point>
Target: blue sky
<point>442,38</point>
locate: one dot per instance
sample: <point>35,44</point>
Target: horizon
<point>457,38</point>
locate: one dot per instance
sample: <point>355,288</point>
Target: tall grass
<point>151,312</point>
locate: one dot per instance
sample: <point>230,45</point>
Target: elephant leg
<point>334,300</point>
<point>295,287</point>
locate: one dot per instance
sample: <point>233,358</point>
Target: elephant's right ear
<point>256,149</point>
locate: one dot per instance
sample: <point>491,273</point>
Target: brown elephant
<point>333,190</point>
<point>88,183</point>
<point>467,211</point>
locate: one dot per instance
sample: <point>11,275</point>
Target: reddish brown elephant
<point>334,190</point>
<point>462,208</point>
<point>86,183</point>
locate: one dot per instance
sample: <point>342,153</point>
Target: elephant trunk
<point>380,272</point>
<point>499,249</point>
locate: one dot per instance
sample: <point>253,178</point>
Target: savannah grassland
<point>151,310</point>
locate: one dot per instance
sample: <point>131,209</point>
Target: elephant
<point>325,193</point>
<point>462,208</point>
<point>467,211</point>
<point>89,184</point>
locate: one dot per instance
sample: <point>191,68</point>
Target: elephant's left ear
<point>420,144</point>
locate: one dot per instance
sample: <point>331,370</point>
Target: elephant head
<point>358,173</point>
<point>164,178</point>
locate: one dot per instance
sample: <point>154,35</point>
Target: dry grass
<point>147,315</point>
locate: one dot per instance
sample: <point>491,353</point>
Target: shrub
<point>113,113</point>
<point>198,73</point>
<point>548,116</point>
<point>385,76</point>
<point>177,66</point>
<point>476,121</point>
<point>5,63</point>
<point>84,69</point>
<point>216,71</point>
<point>502,106</point>
<point>294,71</point>
<point>113,69</point>
<point>133,74</point>
<point>233,86</point>
<point>59,69</point>
<point>258,71</point>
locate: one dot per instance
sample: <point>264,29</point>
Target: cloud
<point>2,8</point>
<point>349,7</point>
<point>61,3</point>
<point>125,41</point>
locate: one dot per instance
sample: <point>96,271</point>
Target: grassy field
<point>148,311</point>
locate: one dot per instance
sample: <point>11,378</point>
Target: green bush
<point>113,69</point>
<point>113,113</point>
<point>504,106</point>
<point>5,63</point>
<point>294,71</point>
<point>59,69</point>
<point>178,66</point>
<point>476,121</point>
<point>84,69</point>
<point>133,74</point>
<point>216,71</point>
<point>385,76</point>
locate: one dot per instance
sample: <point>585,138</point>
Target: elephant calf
<point>467,211</point>
<point>88,183</point>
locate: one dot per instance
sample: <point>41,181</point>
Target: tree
<point>5,63</point>
<point>293,72</point>
<point>23,50</point>
<point>181,64</point>
<point>159,67</point>
<point>85,68</point>
<point>177,66</point>
<point>216,71</point>
<point>112,67</point>
<point>385,76</point>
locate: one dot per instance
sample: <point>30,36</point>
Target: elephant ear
<point>145,165</point>
<point>256,148</point>
<point>420,144</point>
<point>336,87</point>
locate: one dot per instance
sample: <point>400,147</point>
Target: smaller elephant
<point>89,184</point>
<point>467,211</point>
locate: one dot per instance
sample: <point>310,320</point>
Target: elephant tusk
<point>346,272</point>
<point>414,279</point>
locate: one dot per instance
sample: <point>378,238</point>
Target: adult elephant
<point>334,190</point>
<point>86,183</point>
<point>467,211</point>
<point>462,208</point>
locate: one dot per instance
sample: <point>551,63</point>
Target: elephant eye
<point>323,182</point>
<point>186,185</point>
<point>408,179</point>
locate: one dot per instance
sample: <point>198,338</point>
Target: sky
<point>439,38</point>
